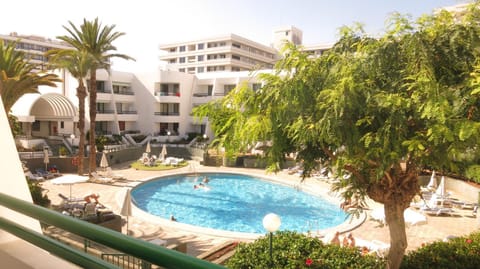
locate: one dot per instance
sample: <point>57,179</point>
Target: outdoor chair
<point>90,211</point>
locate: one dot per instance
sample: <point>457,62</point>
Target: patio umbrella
<point>148,149</point>
<point>126,209</point>
<point>440,192</point>
<point>163,153</point>
<point>46,160</point>
<point>104,161</point>
<point>432,184</point>
<point>69,180</point>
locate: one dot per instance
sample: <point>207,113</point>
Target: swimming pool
<point>234,202</point>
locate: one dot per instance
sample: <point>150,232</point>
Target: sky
<point>148,23</point>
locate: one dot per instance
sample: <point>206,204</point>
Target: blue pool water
<point>235,202</point>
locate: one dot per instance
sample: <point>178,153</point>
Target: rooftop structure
<point>287,34</point>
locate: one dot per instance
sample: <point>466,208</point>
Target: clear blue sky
<point>148,23</point>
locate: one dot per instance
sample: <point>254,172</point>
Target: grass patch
<point>159,167</point>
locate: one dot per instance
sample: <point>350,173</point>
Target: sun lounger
<point>45,174</point>
<point>70,200</point>
<point>71,204</point>
<point>32,176</point>
<point>100,179</point>
<point>375,246</point>
<point>438,211</point>
<point>109,173</point>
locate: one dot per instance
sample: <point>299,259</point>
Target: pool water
<point>235,202</point>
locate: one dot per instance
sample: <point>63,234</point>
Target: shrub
<point>473,172</point>
<point>461,252</point>
<point>37,196</point>
<point>117,139</point>
<point>292,250</point>
<point>62,151</point>
<point>138,138</point>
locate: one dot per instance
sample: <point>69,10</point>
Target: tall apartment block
<point>228,53</point>
<point>34,46</point>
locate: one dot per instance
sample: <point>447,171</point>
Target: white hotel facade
<point>158,103</point>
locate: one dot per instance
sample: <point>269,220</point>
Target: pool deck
<point>147,227</point>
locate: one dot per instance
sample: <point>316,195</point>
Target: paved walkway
<point>111,195</point>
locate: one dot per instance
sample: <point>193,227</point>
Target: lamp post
<point>168,136</point>
<point>72,136</point>
<point>204,141</point>
<point>271,223</point>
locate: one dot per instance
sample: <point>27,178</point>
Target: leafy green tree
<point>78,64</point>
<point>378,110</point>
<point>18,76</point>
<point>97,41</point>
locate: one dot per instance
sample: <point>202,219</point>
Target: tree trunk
<point>395,191</point>
<point>398,237</point>
<point>81,94</point>
<point>93,114</point>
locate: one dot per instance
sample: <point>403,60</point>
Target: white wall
<point>13,180</point>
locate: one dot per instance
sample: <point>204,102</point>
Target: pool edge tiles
<point>345,224</point>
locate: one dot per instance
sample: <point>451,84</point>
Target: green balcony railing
<point>149,252</point>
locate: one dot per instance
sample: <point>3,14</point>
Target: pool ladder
<point>192,168</point>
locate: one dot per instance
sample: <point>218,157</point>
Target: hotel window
<point>36,126</point>
<point>200,46</point>
<point>181,60</point>
<point>182,48</point>
<point>62,125</point>
<point>236,57</point>
<point>228,88</point>
<point>200,58</point>
<point>100,86</point>
<point>175,126</point>
<point>200,69</point>
<point>210,90</point>
<point>236,45</point>
<point>181,70</point>
<point>256,86</point>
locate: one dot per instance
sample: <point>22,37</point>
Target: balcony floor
<point>19,254</point>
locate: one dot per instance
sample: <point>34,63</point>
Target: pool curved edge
<point>349,224</point>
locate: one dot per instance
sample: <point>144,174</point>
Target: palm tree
<point>18,76</point>
<point>77,63</point>
<point>97,41</point>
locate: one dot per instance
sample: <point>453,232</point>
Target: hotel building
<point>158,103</point>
